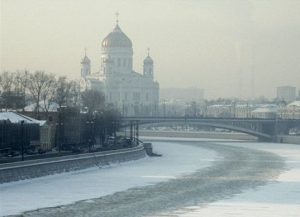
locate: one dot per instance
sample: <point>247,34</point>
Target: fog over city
<point>140,108</point>
<point>229,48</point>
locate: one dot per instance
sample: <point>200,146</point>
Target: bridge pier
<point>137,132</point>
<point>134,131</point>
<point>131,131</point>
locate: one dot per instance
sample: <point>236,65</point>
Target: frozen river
<point>193,178</point>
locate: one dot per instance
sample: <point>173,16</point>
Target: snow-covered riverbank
<point>191,180</point>
<point>66,188</point>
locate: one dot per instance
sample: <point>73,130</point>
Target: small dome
<point>116,39</point>
<point>148,60</point>
<point>85,60</point>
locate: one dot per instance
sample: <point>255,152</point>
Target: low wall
<point>208,135</point>
<point>36,168</point>
<point>216,135</point>
<point>289,139</point>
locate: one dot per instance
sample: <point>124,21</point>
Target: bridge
<point>263,129</point>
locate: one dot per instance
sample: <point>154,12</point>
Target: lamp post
<point>22,139</point>
<point>90,126</point>
<point>164,108</point>
<point>276,128</point>
<point>234,108</point>
<point>100,124</point>
<point>60,135</point>
<point>59,129</point>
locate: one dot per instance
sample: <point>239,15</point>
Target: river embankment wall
<point>207,135</point>
<point>36,168</point>
<point>289,139</point>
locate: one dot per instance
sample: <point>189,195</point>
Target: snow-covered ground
<point>17,197</point>
<point>280,197</point>
<point>277,199</point>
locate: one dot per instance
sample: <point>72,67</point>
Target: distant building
<point>132,93</point>
<point>182,94</point>
<point>291,111</point>
<point>16,129</point>
<point>265,111</point>
<point>286,93</point>
<point>218,110</point>
<point>12,100</point>
<point>44,106</point>
<point>243,110</point>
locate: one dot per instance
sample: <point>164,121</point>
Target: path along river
<point>228,169</point>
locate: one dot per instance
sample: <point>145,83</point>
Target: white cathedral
<point>130,92</point>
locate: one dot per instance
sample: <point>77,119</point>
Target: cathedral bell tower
<point>148,66</point>
<point>85,66</point>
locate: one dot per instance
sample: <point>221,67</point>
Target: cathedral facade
<point>130,92</point>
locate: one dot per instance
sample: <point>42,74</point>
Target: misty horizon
<point>229,48</point>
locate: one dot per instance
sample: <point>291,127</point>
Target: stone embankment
<point>36,168</point>
<point>289,139</point>
<point>192,134</point>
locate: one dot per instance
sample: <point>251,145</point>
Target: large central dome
<point>116,39</point>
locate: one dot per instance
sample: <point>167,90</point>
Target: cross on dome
<point>148,59</point>
<point>117,17</point>
<point>85,59</point>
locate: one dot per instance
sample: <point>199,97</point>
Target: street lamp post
<point>90,124</point>
<point>22,139</point>
<point>59,130</point>
<point>164,108</point>
<point>60,134</point>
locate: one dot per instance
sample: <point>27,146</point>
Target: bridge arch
<point>259,135</point>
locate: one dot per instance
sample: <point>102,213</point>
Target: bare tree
<point>21,81</point>
<point>39,86</point>
<point>17,83</point>
<point>20,85</point>
<point>6,81</point>
<point>93,100</point>
<point>75,94</point>
<point>63,91</point>
<point>48,95</point>
<point>6,85</point>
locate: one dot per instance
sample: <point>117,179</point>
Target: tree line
<point>42,90</point>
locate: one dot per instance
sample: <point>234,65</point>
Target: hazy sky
<point>227,47</point>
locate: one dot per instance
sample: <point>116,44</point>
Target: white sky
<point>213,45</point>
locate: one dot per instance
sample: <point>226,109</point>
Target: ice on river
<point>277,199</point>
<point>54,190</point>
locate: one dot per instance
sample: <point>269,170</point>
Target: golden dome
<point>116,39</point>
